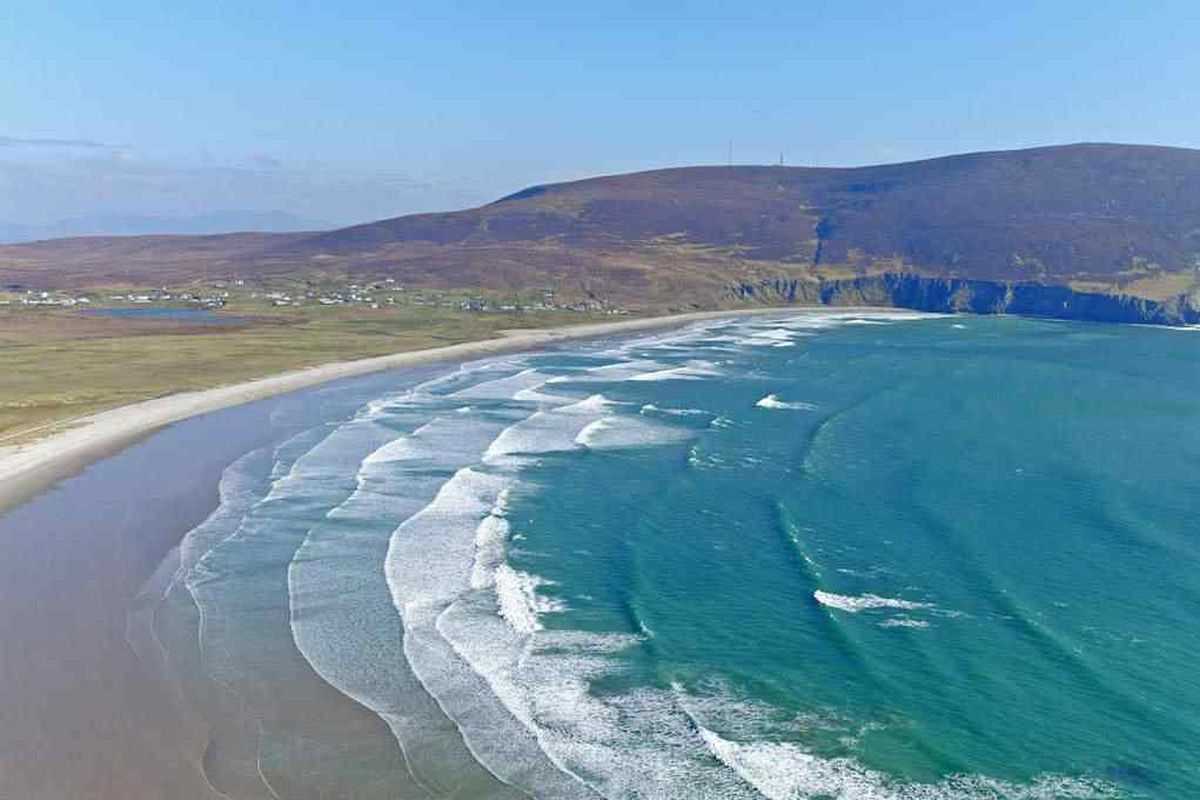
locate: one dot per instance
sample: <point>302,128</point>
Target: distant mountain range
<point>1093,220</point>
<point>138,225</point>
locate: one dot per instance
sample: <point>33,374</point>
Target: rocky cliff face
<point>949,295</point>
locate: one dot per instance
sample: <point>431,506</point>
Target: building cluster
<point>33,298</point>
<point>215,299</point>
<point>380,294</point>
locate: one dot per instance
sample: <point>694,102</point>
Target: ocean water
<point>808,556</point>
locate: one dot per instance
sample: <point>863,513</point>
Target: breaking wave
<point>773,402</point>
<point>854,604</point>
<point>394,530</point>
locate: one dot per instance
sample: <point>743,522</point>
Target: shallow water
<point>200,316</point>
<point>813,556</point>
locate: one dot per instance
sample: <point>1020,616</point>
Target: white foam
<point>691,371</point>
<point>777,334</point>
<point>430,567</point>
<point>783,771</point>
<point>431,553</point>
<point>834,319</point>
<point>866,321</point>
<point>491,538</point>
<point>449,440</point>
<point>611,373</point>
<point>401,448</point>
<point>903,622</point>
<point>613,432</point>
<point>541,398</point>
<point>676,412</point>
<point>593,404</point>
<point>771,337</point>
<point>519,602</point>
<point>553,431</point>
<point>505,388</point>
<point>632,745</point>
<point>773,402</point>
<point>854,604</point>
<point>342,614</point>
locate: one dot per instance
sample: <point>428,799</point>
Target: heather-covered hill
<point>1096,217</point>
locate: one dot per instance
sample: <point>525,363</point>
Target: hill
<point>1097,219</point>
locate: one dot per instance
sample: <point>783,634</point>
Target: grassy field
<point>58,365</point>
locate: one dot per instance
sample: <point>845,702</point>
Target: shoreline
<point>27,470</point>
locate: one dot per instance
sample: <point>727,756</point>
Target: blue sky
<point>356,110</point>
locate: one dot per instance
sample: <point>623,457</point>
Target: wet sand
<point>81,716</point>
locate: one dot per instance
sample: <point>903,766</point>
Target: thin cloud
<point>94,184</point>
<point>84,144</point>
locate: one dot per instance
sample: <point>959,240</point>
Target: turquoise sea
<point>819,555</point>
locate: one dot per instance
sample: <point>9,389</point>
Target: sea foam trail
<point>638,744</point>
<point>467,375</point>
<point>240,587</point>
<point>771,337</point>
<point>651,408</point>
<point>834,319</point>
<point>343,619</point>
<point>903,622</point>
<point>452,550</point>
<point>693,370</point>
<point>855,603</point>
<point>241,484</point>
<point>784,771</point>
<point>545,432</point>
<point>491,540</point>
<point>520,603</point>
<point>429,564</point>
<point>160,629</point>
<point>614,432</point>
<point>468,617</point>
<point>505,388</point>
<point>773,402</point>
<point>541,677</point>
<point>610,373</point>
<point>234,765</point>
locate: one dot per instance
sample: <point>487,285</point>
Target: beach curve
<point>28,469</point>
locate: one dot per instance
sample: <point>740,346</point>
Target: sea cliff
<point>959,295</point>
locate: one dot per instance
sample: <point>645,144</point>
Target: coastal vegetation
<point>64,363</point>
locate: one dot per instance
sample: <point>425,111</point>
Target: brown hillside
<point>1109,217</point>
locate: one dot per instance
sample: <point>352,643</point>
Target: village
<point>383,294</point>
<point>61,299</point>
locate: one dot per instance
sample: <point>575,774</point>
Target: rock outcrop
<point>958,295</point>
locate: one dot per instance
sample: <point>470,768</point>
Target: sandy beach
<point>28,469</point>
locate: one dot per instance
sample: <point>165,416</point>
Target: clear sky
<point>346,111</point>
